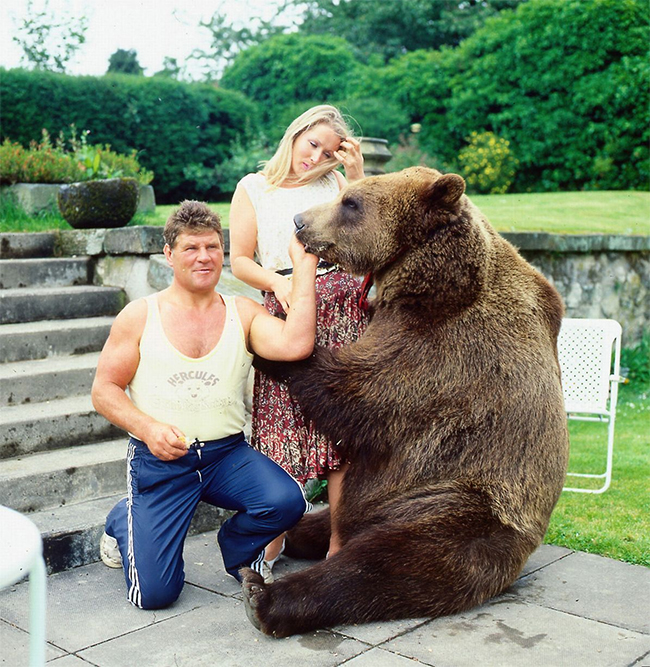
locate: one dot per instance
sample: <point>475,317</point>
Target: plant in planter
<point>104,198</point>
<point>77,164</point>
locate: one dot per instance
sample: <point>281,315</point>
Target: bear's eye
<point>350,203</point>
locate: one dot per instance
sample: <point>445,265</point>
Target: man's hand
<point>300,258</point>
<point>165,442</point>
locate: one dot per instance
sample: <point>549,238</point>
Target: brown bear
<point>449,409</point>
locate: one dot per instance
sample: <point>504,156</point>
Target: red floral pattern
<point>279,428</point>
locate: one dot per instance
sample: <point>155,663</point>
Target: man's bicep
<point>120,356</point>
<point>265,336</point>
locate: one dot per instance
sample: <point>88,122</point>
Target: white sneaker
<point>267,566</point>
<point>110,552</point>
<point>267,572</point>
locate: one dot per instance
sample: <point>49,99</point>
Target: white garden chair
<point>589,352</point>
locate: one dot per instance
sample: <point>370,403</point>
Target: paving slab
<point>593,587</point>
<point>14,646</point>
<point>379,657</point>
<point>216,635</point>
<point>511,631</point>
<point>90,622</point>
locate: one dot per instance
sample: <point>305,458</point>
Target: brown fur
<point>449,409</point>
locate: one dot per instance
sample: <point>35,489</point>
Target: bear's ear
<point>445,191</point>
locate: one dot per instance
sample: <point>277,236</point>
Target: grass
<point>616,523</point>
<point>624,212</point>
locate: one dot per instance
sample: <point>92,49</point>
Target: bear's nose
<point>297,221</point>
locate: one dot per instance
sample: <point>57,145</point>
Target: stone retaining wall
<point>598,276</point>
<point>36,197</point>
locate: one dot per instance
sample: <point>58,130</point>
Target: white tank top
<point>203,397</point>
<point>275,208</point>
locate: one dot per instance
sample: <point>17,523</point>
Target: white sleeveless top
<point>203,397</point>
<point>275,209</point>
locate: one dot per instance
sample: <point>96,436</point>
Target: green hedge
<point>174,126</point>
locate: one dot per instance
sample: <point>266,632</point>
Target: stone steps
<point>23,341</point>
<point>15,245</point>
<point>64,476</point>
<point>61,462</point>
<point>58,303</point>
<point>38,427</point>
<point>54,271</point>
<point>39,380</point>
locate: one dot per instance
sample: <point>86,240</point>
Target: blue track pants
<point>151,524</point>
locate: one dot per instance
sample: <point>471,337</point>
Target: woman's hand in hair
<point>350,156</point>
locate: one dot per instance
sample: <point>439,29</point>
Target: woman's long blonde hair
<point>277,169</point>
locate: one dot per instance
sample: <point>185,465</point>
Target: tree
<point>291,68</point>
<point>50,44</point>
<point>380,31</point>
<point>229,39</point>
<point>566,82</point>
<point>124,62</point>
<point>170,69</point>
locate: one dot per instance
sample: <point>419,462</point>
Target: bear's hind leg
<point>310,538</point>
<point>420,564</point>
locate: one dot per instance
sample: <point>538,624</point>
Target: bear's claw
<point>252,586</point>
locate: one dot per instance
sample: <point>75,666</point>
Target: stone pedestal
<point>375,155</point>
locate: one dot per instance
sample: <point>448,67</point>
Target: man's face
<point>197,260</point>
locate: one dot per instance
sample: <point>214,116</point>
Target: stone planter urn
<point>106,203</point>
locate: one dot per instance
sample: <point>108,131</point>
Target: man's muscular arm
<point>293,338</point>
<point>116,367</point>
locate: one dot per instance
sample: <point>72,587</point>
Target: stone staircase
<point>60,462</point>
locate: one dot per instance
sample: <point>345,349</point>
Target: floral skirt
<point>279,428</point>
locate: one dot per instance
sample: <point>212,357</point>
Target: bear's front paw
<point>252,586</point>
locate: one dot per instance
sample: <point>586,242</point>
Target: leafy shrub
<point>99,161</point>
<point>40,163</point>
<point>637,361</point>
<point>487,164</point>
<point>46,162</point>
<point>376,117</point>
<point>567,82</point>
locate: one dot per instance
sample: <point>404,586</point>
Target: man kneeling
<point>185,354</point>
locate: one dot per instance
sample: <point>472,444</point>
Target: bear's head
<point>376,219</point>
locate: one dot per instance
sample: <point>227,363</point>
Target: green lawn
<point>615,523</point>
<point>624,212</point>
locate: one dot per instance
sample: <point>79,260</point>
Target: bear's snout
<point>298,221</point>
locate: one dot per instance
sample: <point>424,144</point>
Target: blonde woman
<point>302,173</point>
